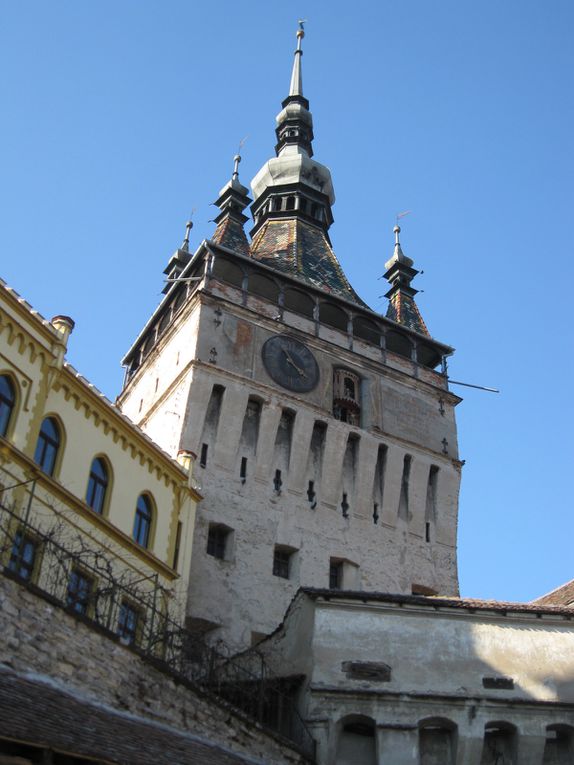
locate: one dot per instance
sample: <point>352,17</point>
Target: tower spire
<point>233,199</point>
<point>293,196</point>
<point>296,87</point>
<point>400,273</point>
<point>294,123</point>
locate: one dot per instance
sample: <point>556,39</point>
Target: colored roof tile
<point>403,310</point>
<point>300,249</point>
<point>230,233</point>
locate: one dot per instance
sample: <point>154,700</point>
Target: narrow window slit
<point>243,470</point>
<point>375,513</point>
<point>311,495</point>
<point>345,506</point>
<point>177,545</point>
<point>203,455</point>
<point>277,482</point>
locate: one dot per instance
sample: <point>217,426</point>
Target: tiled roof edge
<point>437,601</point>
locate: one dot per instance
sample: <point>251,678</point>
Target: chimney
<point>64,325</point>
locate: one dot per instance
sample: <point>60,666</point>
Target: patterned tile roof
<point>230,233</point>
<point>403,309</point>
<point>300,249</point>
<point>561,596</point>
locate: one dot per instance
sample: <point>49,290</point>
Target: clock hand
<point>293,364</point>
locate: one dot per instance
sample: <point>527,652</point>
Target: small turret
<point>178,260</point>
<point>233,199</point>
<point>400,273</point>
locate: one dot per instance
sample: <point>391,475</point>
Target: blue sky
<point>121,117</point>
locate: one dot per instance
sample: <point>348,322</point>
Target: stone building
<point>324,438</point>
<point>413,680</point>
<point>326,442</point>
<point>96,527</point>
<point>324,432</point>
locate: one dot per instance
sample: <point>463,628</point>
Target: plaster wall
<point>154,393</point>
<point>130,474</point>
<point>32,352</point>
<point>447,652</point>
<point>436,658</point>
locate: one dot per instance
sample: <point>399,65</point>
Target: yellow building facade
<point>92,512</point>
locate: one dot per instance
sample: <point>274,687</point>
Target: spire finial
<point>397,230</point>
<point>296,87</point>
<point>236,161</point>
<point>300,32</point>
<point>185,243</point>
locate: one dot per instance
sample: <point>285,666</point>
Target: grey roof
<point>44,715</point>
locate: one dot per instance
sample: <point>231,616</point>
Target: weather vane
<point>402,214</point>
<point>237,158</point>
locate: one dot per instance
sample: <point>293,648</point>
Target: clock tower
<point>324,433</point>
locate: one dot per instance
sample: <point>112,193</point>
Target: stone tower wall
<point>409,542</point>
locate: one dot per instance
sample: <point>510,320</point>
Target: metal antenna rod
<point>478,387</point>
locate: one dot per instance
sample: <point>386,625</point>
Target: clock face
<point>290,363</point>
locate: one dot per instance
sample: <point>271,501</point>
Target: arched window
<point>499,743</point>
<point>346,396</point>
<point>143,519</point>
<point>227,271</point>
<point>97,485</point>
<point>7,402</point>
<point>334,316</point>
<point>47,445</point>
<point>299,302</point>
<point>399,343</point>
<point>259,284</point>
<point>356,741</point>
<point>437,741</point>
<point>366,330</point>
<point>559,746</point>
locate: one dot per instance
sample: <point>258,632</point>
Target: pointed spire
<point>178,260</point>
<point>398,254</point>
<point>400,273</point>
<point>293,196</point>
<point>296,87</point>
<point>233,199</point>
<point>294,123</point>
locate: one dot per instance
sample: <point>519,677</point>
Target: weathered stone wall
<point>40,639</point>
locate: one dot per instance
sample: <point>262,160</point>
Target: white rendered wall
<point>400,411</point>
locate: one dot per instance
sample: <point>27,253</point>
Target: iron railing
<point>56,561</point>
